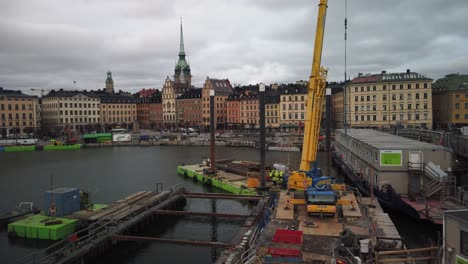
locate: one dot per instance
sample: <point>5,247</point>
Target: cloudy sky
<point>51,43</point>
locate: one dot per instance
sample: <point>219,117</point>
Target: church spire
<point>181,49</point>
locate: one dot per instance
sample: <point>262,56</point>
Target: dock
<point>108,225</point>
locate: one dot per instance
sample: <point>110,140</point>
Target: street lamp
<point>261,89</point>
<point>212,132</point>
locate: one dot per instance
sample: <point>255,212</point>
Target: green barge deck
<point>230,182</point>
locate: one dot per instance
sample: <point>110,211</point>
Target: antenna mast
<point>345,121</point>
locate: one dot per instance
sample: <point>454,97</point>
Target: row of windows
<point>17,116</point>
<point>457,116</point>
<point>10,107</point>
<point>119,106</point>
<point>394,117</point>
<point>79,120</point>
<point>394,97</point>
<point>458,96</point>
<point>384,107</point>
<point>289,98</point>
<point>296,116</point>
<point>118,119</point>
<point>119,112</point>
<point>78,105</point>
<point>16,123</point>
<point>79,112</point>
<point>296,106</point>
<point>394,86</point>
<point>457,105</point>
<point>14,99</point>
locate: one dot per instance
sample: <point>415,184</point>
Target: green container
<point>20,148</point>
<point>34,227</point>
<point>62,147</point>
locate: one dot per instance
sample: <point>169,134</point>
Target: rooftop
<point>13,93</point>
<point>382,140</point>
<point>451,82</point>
<point>461,215</point>
<point>389,77</point>
<point>69,93</point>
<point>191,93</point>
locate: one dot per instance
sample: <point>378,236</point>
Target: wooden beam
<point>189,213</point>
<point>222,196</point>
<point>404,260</point>
<point>171,241</point>
<point>407,251</point>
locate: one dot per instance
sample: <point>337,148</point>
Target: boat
<point>24,209</point>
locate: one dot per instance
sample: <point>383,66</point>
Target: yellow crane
<point>320,199</point>
<point>303,178</point>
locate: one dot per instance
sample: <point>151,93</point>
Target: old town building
<point>450,101</point>
<point>18,113</point>
<point>249,110</point>
<point>189,108</point>
<point>233,110</point>
<point>118,110</point>
<point>292,105</point>
<point>338,110</point>
<point>75,110</point>
<point>174,88</point>
<point>390,99</point>
<point>147,102</point>
<point>222,89</point>
<point>272,116</point>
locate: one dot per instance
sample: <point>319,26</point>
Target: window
<point>374,118</point>
<point>417,106</point>
<point>466,105</point>
<point>362,118</point>
<point>466,116</point>
<point>457,116</point>
<point>401,97</point>
<point>425,105</point>
<point>457,105</point>
<point>356,118</point>
<point>385,107</point>
<point>384,117</point>
<point>362,98</point>
<point>393,106</point>
<point>417,96</point>
<point>368,98</point>
<point>425,85</point>
<point>401,116</point>
<point>368,118</point>
<point>368,108</point>
<point>374,88</point>
<point>425,96</point>
<point>374,107</point>
<point>355,89</point>
<point>356,98</point>
<point>409,106</point>
<point>409,86</point>
<point>401,86</point>
<point>457,96</point>
<point>384,97</point>
<point>409,116</point>
<point>362,89</point>
<point>356,108</point>
<point>401,106</point>
<point>393,86</point>
<point>385,88</point>
<point>393,117</point>
<point>368,88</point>
<point>417,86</point>
<point>426,116</point>
<point>409,96</point>
<point>374,97</point>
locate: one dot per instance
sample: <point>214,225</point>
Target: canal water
<point>110,174</point>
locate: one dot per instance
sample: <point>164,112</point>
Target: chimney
<point>384,72</point>
<point>408,71</point>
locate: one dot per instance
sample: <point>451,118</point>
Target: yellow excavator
<point>319,190</point>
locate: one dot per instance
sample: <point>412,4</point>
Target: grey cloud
<point>50,43</point>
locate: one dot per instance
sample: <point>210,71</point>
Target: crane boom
<point>316,90</point>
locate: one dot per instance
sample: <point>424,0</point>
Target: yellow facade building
<point>18,113</point>
<point>390,99</point>
<point>450,101</point>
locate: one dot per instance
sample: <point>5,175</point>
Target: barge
<point>405,175</point>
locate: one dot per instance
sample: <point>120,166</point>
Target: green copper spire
<point>109,76</point>
<point>181,49</point>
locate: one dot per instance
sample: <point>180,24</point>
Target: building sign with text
<point>391,157</point>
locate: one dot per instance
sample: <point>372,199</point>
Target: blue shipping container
<point>2,149</point>
<point>67,201</point>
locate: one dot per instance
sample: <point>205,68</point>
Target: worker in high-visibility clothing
<point>280,178</point>
<point>276,177</point>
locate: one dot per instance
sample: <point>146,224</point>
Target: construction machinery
<point>319,191</point>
